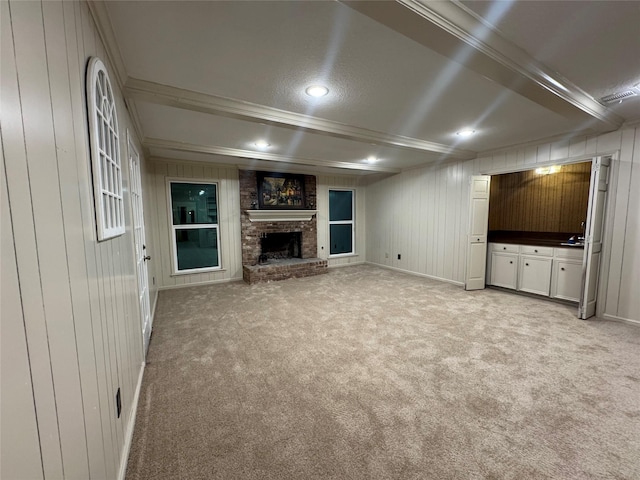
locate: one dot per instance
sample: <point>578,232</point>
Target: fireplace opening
<point>280,246</point>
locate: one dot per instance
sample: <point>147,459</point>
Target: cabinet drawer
<point>535,275</point>
<point>505,248</point>
<point>542,251</point>
<point>573,253</point>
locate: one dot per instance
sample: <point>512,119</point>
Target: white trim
<point>351,222</point>
<point>533,166</point>
<point>172,145</point>
<point>199,284</point>
<point>496,57</point>
<point>350,264</point>
<point>417,274</point>
<point>160,94</point>
<point>128,437</point>
<point>614,318</point>
<point>199,226</point>
<point>280,215</point>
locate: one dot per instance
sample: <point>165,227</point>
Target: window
<point>341,222</point>
<point>105,152</point>
<point>195,232</point>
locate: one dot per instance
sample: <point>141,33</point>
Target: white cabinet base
<point>504,270</point>
<point>535,275</point>
<point>566,280</point>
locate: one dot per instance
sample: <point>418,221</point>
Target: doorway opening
<point>540,231</point>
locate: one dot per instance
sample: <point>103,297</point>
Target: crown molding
<point>159,94</point>
<point>101,18</point>
<point>449,27</point>
<point>98,11</point>
<point>271,157</point>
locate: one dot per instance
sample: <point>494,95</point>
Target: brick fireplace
<point>260,227</point>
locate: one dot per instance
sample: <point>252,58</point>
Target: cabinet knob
<point>562,268</point>
<point>504,248</point>
<point>511,261</point>
<point>536,251</point>
<point>527,264</point>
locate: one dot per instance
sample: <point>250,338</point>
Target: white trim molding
<point>280,215</point>
<point>159,94</point>
<point>449,27</point>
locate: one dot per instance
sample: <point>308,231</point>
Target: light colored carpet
<point>366,373</point>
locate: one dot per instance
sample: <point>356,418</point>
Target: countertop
<point>540,239</point>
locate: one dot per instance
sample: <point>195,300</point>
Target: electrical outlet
<point>118,402</point>
<point>399,256</point>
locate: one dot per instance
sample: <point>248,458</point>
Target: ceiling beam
<point>150,92</point>
<point>450,29</point>
<point>271,157</point>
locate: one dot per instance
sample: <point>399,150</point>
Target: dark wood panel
<point>530,202</point>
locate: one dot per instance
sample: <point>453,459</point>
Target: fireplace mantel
<point>280,215</point>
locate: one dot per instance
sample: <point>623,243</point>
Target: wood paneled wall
<point>71,327</point>
<point>530,202</point>
<point>226,177</point>
<point>620,268</point>
<point>324,183</point>
<point>423,214</point>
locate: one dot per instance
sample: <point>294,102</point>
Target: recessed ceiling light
<point>467,132</point>
<point>317,91</point>
<point>371,159</point>
<point>262,144</point>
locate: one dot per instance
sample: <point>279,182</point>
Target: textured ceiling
<point>382,82</point>
<point>594,44</point>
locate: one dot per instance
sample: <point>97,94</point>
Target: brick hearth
<point>308,265</point>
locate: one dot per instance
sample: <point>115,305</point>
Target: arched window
<point>105,152</point>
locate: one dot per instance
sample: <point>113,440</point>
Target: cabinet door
<point>504,270</point>
<point>535,275</point>
<point>566,280</point>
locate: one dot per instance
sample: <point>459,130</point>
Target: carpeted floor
<point>366,373</point>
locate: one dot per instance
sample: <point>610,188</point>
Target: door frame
<point>144,304</point>
<point>603,280</point>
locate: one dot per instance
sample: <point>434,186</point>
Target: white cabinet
<point>566,278</point>
<point>548,271</point>
<point>535,274</point>
<point>504,269</point>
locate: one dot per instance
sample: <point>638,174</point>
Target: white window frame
<point>194,226</point>
<point>106,163</point>
<point>351,222</point>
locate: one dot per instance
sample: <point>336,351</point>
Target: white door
<point>140,246</point>
<point>593,236</point>
<point>477,240</point>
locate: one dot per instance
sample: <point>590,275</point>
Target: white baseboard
<point>128,437</point>
<point>417,274</point>
<point>621,319</point>
<point>198,284</point>
<point>353,264</point>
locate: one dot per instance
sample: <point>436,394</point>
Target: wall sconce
<point>548,170</point>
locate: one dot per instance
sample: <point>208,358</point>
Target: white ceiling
<point>207,79</point>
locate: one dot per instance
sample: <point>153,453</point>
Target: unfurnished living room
<point>320,240</point>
